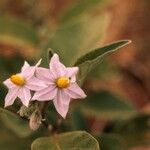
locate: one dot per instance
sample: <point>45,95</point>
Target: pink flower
<point>19,85</point>
<point>61,85</point>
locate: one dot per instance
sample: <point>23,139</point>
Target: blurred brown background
<point>128,19</point>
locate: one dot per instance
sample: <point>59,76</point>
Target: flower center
<point>63,82</point>
<point>18,80</point>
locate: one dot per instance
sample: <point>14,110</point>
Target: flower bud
<point>35,120</point>
<point>27,111</point>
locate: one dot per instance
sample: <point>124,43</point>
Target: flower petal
<point>61,103</point>
<point>56,67</point>
<point>24,95</point>
<point>45,94</point>
<point>26,65</point>
<point>75,92</point>
<point>35,84</point>
<point>72,72</point>
<point>11,96</point>
<point>44,74</point>
<point>9,84</point>
<point>38,63</point>
<point>28,72</point>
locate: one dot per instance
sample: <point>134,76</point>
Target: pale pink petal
<point>24,95</point>
<point>71,73</point>
<point>35,84</point>
<point>9,84</point>
<point>28,72</point>
<point>26,65</point>
<point>75,92</point>
<point>38,63</point>
<point>57,68</point>
<point>11,96</point>
<point>46,94</point>
<point>61,103</point>
<point>45,75</point>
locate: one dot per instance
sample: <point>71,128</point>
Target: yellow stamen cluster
<point>63,82</point>
<point>18,80</point>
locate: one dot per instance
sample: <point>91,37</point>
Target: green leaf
<point>72,40</point>
<point>15,123</point>
<point>103,71</point>
<point>16,33</point>
<point>111,142</point>
<point>78,120</point>
<point>78,140</point>
<point>90,60</point>
<point>135,130</point>
<point>78,8</point>
<point>9,141</point>
<point>107,106</point>
<point>100,52</point>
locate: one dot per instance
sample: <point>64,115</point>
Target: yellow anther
<point>63,82</point>
<point>18,80</point>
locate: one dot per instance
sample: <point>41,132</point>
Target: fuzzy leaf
<point>12,121</point>
<point>9,141</point>
<point>111,142</point>
<point>135,130</point>
<point>107,106</point>
<point>18,35</point>
<point>78,121</point>
<point>72,40</point>
<point>78,140</point>
<point>17,29</point>
<point>79,8</point>
<point>90,60</point>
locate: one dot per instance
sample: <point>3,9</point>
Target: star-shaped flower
<point>61,85</point>
<point>19,85</point>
